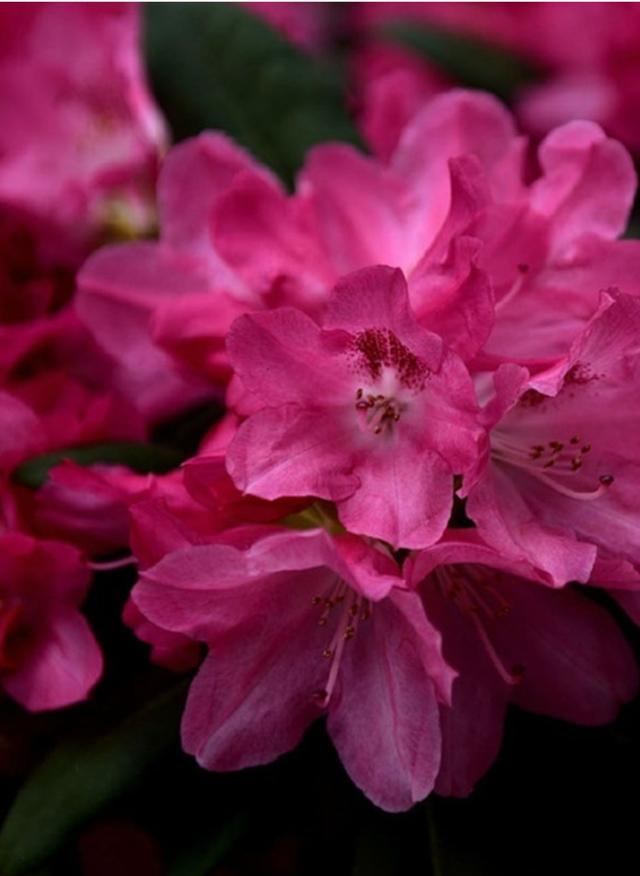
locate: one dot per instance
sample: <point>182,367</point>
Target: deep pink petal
<point>384,720</point>
<point>577,665</point>
<point>282,356</point>
<point>345,187</point>
<point>588,183</point>
<point>405,503</point>
<point>61,668</point>
<point>290,451</point>
<point>506,521</point>
<point>196,173</point>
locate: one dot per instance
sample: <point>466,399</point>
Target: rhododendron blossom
<point>298,625</point>
<point>582,57</point>
<point>513,639</point>
<point>383,413</point>
<point>561,471</point>
<point>79,133</point>
<point>367,409</point>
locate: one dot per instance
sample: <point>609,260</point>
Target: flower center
<point>472,593</point>
<point>378,413</point>
<point>551,463</point>
<point>352,610</point>
<point>390,375</point>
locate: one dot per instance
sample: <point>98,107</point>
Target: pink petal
<point>290,451</point>
<point>282,356</point>
<point>345,187</point>
<point>577,665</point>
<point>588,183</point>
<point>505,521</point>
<point>196,173</point>
<point>404,497</point>
<point>61,668</point>
<point>384,721</point>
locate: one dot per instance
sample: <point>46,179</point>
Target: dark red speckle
<point>375,349</point>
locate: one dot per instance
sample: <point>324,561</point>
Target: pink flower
<point>178,288</point>
<point>584,56</point>
<point>79,133</point>
<point>512,639</point>
<point>366,409</point>
<point>300,625</point>
<point>48,656</point>
<point>232,241</point>
<point>561,472</point>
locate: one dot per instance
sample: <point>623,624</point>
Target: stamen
<point>523,270</point>
<point>510,678</point>
<point>108,565</point>
<point>359,609</point>
<point>379,412</point>
<point>462,585</point>
<point>539,459</point>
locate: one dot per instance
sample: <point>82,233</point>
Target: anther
<point>606,480</point>
<point>575,440</point>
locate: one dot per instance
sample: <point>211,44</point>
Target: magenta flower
<point>513,639</point>
<point>586,55</point>
<point>79,133</point>
<point>562,471</point>
<point>367,410</point>
<point>299,625</point>
<point>233,241</point>
<point>48,656</point>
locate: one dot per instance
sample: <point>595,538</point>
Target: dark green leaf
<point>79,777</point>
<point>213,65</point>
<point>468,61</point>
<point>138,456</point>
<point>207,852</point>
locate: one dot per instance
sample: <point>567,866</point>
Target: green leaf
<point>207,852</point>
<point>468,60</point>
<point>213,65</point>
<point>81,776</point>
<point>138,456</point>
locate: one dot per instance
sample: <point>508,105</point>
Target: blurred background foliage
<point>108,789</point>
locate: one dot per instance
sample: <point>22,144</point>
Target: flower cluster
<point>430,361</point>
<point>431,364</point>
<point>580,61</point>
<point>80,142</point>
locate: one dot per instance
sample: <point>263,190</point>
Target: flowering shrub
<point>354,446</point>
